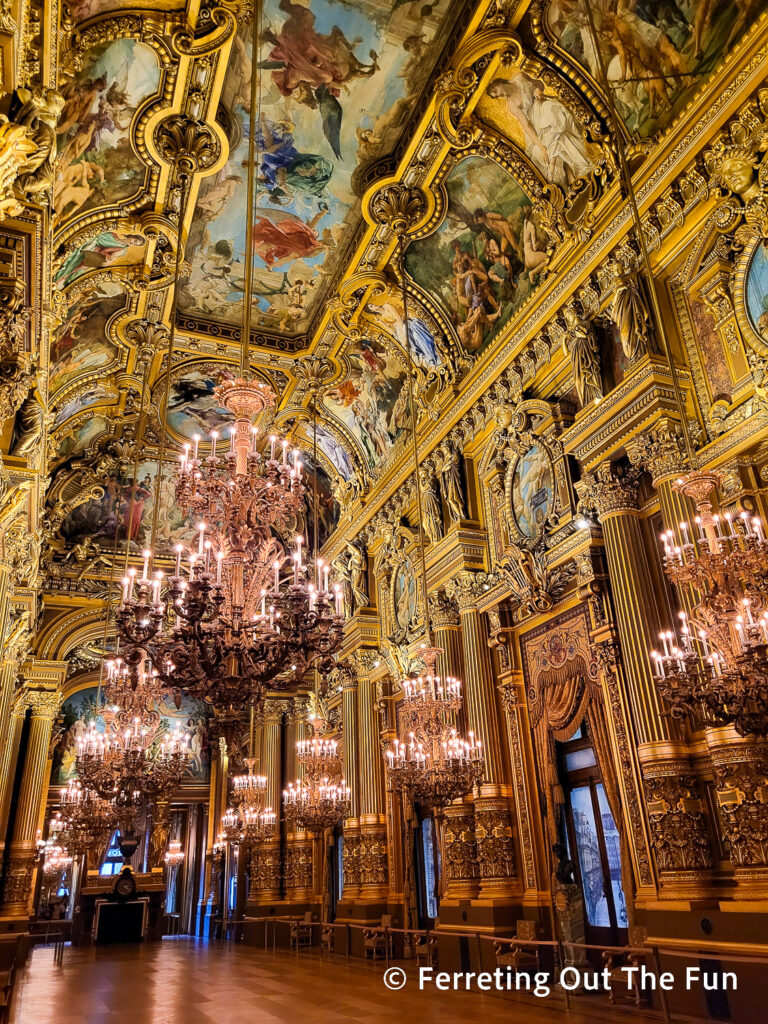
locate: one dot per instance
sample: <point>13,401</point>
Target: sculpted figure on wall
<point>451,476</point>
<point>433,520</point>
<point>581,346</point>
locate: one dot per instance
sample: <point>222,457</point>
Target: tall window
<point>113,859</point>
<point>592,835</point>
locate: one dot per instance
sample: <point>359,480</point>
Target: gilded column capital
<point>443,612</point>
<point>275,710</point>
<point>298,708</point>
<point>608,491</point>
<point>661,451</point>
<point>463,590</point>
<point>364,660</point>
<point>43,703</point>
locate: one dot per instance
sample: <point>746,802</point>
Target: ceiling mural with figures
<point>337,86</point>
<point>510,156</point>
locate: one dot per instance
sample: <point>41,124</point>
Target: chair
<point>327,938</point>
<point>426,950</point>
<point>520,955</point>
<point>301,933</point>
<point>377,943</point>
<point>620,984</point>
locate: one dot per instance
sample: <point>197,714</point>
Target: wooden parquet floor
<point>185,981</point>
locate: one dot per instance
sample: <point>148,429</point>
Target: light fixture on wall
<point>174,855</point>
<point>718,668</point>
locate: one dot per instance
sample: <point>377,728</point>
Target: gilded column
<point>44,706</point>
<point>740,766</point>
<point>373,819</point>
<point>493,823</point>
<point>9,752</point>
<point>351,849</point>
<point>675,812</point>
<point>299,852</point>
<point>266,872</point>
<point>636,590</point>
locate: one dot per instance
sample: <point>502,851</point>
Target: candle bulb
<point>295,570</point>
<point>179,549</point>
<point>326,572</point>
<point>337,592</point>
<point>272,442</point>
<point>126,585</point>
<point>144,577</point>
<point>277,576</point>
<point>214,439</point>
<point>196,439</point>
<point>285,453</point>
<point>219,560</point>
<point>299,542</point>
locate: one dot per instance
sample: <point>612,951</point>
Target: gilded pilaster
<point>44,706</point>
<point>526,805</point>
<point>460,851</point>
<point>740,766</point>
<point>268,878</point>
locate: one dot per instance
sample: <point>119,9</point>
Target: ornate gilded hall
<point>383,510</point>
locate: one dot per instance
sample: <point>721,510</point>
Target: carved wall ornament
<point>677,820</point>
<point>661,451</point>
<point>399,207</point>
<point>741,798</point>
<point>610,489</point>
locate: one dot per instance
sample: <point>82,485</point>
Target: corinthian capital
<point>609,490</point>
<point>44,703</point>
<point>661,451</point>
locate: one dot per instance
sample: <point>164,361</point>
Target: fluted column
<point>493,823</point>
<point>44,706</point>
<point>266,880</point>
<point>373,819</point>
<point>446,633</point>
<point>351,849</point>
<point>299,851</point>
<point>636,589</point>
<point>9,752</point>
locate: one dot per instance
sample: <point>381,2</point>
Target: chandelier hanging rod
<point>628,184</point>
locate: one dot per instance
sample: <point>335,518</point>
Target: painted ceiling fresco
<point>97,165</point>
<point>340,85</point>
<point>655,53</point>
<point>485,257</point>
<point>339,82</point>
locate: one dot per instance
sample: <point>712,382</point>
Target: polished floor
<point>182,981</point>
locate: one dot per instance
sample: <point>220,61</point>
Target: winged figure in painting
<point>311,67</point>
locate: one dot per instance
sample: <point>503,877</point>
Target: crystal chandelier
<point>249,820</point>
<point>321,798</point>
<point>84,822</point>
<point>174,855</point>
<point>239,612</point>
<point>717,668</point>
<point>54,857</point>
<point>432,763</point>
<point>429,762</point>
<point>131,766</point>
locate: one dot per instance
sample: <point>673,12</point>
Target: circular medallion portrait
<point>757,291</point>
<point>532,491</point>
<point>405,595</point>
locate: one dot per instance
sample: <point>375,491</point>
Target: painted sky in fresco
<point>320,117</point>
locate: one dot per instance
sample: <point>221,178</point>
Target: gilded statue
<point>629,312</point>
<point>358,574</point>
<point>451,475</point>
<point>29,426</point>
<point>38,110</point>
<point>580,344</point>
<point>433,520</point>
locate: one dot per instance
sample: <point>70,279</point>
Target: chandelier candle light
<point>717,667</point>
